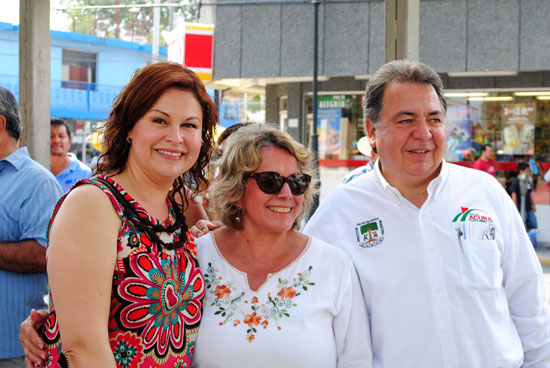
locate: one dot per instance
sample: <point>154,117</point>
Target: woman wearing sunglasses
<point>274,296</point>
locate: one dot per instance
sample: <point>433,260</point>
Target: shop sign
<point>332,102</point>
<point>518,121</point>
<point>192,45</point>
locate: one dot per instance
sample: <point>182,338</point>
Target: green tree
<point>122,23</point>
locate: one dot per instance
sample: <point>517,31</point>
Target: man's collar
<point>17,158</point>
<point>434,187</point>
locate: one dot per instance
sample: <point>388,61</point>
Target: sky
<point>10,14</point>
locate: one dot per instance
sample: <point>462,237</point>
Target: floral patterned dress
<point>157,294</point>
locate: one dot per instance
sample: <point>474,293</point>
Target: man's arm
<point>515,198</point>
<point>524,287</point>
<point>26,256</point>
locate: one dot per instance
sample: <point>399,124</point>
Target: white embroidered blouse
<point>309,314</point>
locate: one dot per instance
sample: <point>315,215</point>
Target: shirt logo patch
<point>474,224</point>
<point>472,215</point>
<point>369,233</point>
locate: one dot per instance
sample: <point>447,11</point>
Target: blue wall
<point>117,60</point>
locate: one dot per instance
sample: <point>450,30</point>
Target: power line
<point>210,3</point>
<point>121,6</point>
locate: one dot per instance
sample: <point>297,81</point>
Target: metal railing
<point>84,100</point>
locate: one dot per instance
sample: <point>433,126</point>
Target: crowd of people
<point>399,267</point>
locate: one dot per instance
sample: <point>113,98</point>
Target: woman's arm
<point>515,198</point>
<point>351,325</point>
<point>81,261</point>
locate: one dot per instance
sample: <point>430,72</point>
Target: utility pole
<point>34,78</point>
<point>156,33</point>
<point>314,135</point>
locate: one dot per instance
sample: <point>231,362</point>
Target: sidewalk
<point>543,253</point>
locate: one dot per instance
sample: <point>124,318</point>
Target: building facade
<point>493,56</point>
<point>87,74</point>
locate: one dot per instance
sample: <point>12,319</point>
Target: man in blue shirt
<point>28,193</point>
<point>64,165</point>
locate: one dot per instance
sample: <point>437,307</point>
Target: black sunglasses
<point>271,182</point>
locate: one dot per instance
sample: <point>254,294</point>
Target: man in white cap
<point>364,147</point>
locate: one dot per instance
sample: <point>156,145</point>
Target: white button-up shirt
<point>455,283</point>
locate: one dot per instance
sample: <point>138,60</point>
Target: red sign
<point>192,45</point>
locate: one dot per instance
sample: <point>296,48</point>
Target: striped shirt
<point>28,193</point>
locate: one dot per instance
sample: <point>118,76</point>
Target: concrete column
<point>402,29</point>
<point>34,77</point>
<point>156,33</point>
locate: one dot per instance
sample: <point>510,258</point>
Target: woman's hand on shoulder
<point>30,340</point>
<point>202,227</point>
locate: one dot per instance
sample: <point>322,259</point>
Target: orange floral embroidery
<point>222,292</point>
<point>287,292</point>
<point>233,308</point>
<point>252,319</point>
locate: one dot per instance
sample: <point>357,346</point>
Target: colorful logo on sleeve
<point>369,233</point>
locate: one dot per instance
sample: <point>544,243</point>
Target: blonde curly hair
<point>241,156</point>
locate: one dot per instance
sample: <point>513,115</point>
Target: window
<point>515,123</point>
<point>78,69</point>
<point>339,125</point>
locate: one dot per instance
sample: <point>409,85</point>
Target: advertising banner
<point>328,127</point>
<point>518,123</point>
<point>458,121</point>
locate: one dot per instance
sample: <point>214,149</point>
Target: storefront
<point>515,122</point>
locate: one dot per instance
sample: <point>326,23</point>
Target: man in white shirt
<point>448,273</point>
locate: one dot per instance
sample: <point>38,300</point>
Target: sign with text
<point>332,102</point>
<point>518,122</point>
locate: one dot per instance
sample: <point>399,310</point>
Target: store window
<point>78,69</point>
<point>515,123</point>
<point>339,125</point>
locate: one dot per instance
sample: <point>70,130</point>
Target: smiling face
<point>410,137</point>
<point>166,141</point>
<point>273,213</point>
<point>59,140</point>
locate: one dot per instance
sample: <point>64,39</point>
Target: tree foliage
<point>132,24</point>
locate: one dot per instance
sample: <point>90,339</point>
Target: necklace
<point>141,220</point>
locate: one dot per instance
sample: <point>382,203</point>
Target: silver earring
<point>129,140</point>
